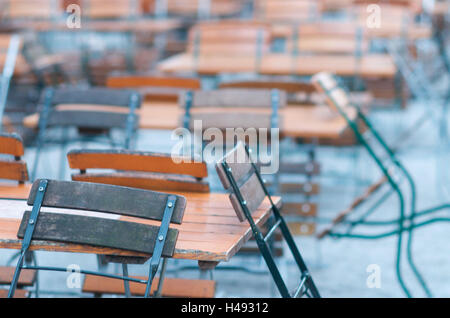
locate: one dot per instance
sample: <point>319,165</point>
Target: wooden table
<point>210,232</point>
<point>369,66</point>
<point>297,121</point>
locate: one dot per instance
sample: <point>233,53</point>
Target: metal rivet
<point>170,204</point>
<point>41,189</point>
<point>161,237</point>
<point>229,169</point>
<point>244,203</point>
<point>31,222</point>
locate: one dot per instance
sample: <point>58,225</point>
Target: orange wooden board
<point>210,230</point>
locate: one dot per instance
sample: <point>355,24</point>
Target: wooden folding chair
<point>155,87</point>
<point>94,112</point>
<point>240,175</point>
<point>149,171</point>
<point>16,170</point>
<point>93,230</point>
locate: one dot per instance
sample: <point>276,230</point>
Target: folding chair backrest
<point>328,38</point>
<point>233,108</point>
<point>102,231</point>
<point>229,37</point>
<point>30,9</point>
<point>11,144</point>
<point>152,171</point>
<point>96,108</point>
<point>110,9</point>
<point>155,87</point>
<point>193,8</point>
<point>238,165</point>
<point>286,10</point>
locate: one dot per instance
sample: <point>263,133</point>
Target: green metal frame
<point>405,223</point>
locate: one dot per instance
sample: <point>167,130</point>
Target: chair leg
<point>126,283</point>
<point>161,278</point>
<point>15,280</point>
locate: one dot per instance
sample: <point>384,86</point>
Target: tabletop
<point>210,230</point>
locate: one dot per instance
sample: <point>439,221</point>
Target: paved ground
<point>338,266</point>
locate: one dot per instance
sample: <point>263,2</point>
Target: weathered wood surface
<point>135,161</point>
<point>79,229</point>
<point>371,65</point>
<point>172,287</point>
<point>13,170</point>
<point>146,180</point>
<point>108,199</point>
<point>11,144</point>
<point>210,230</point>
<point>12,191</point>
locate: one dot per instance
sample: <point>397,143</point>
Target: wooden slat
<point>27,276</point>
<point>108,199</point>
<point>147,181</point>
<point>19,293</point>
<point>299,188</point>
<point>88,119</point>
<point>252,192</point>
<point>100,232</point>
<point>133,81</point>
<point>260,98</point>
<point>98,96</point>
<point>287,86</point>
<point>172,287</point>
<point>13,170</point>
<point>299,208</point>
<point>308,168</point>
<point>19,191</point>
<point>239,163</point>
<point>136,161</point>
<point>300,228</point>
<point>11,144</point>
<point>232,119</point>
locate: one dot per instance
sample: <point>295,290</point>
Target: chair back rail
<point>145,170</point>
<point>11,144</point>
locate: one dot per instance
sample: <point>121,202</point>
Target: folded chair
<point>95,112</point>
<point>392,169</point>
<point>241,177</point>
<point>304,207</point>
<point>95,231</point>
<point>149,171</point>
